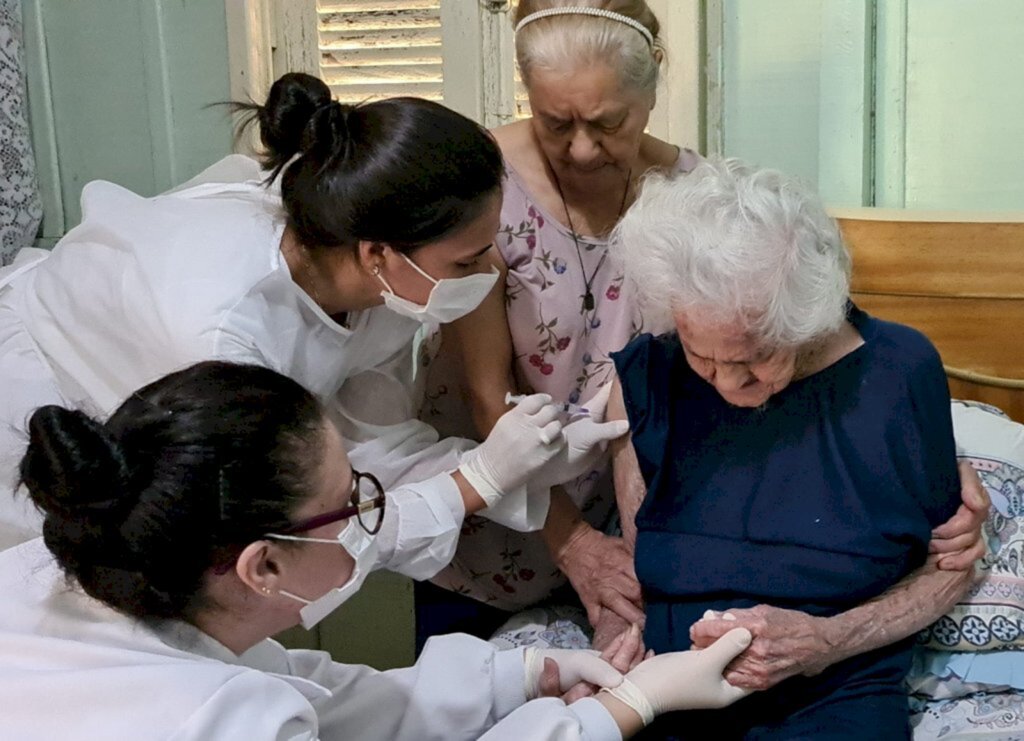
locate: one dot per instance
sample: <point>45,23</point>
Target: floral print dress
<point>560,347</point>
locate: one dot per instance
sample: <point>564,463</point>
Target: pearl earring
<point>266,591</point>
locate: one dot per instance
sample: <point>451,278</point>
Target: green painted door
<point>118,90</point>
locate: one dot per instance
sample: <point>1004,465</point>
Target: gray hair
<point>564,43</point>
<point>736,243</point>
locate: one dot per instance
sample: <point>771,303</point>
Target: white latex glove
<point>586,440</point>
<point>521,442</point>
<point>574,666</point>
<point>684,680</point>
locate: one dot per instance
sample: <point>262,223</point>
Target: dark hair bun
<point>72,465</point>
<point>293,100</point>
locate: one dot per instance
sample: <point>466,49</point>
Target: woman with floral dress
<point>571,171</point>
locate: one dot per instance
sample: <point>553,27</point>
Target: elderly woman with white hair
<point>789,457</point>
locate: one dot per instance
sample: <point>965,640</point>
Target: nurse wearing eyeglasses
<point>215,508</point>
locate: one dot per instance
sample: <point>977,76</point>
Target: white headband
<point>596,12</point>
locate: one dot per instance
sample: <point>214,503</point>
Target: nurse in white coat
<point>374,221</point>
<point>215,508</point>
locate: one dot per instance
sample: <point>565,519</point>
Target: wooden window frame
<point>267,38</point>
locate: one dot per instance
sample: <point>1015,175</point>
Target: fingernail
<point>728,616</point>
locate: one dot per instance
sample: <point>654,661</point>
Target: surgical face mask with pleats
<point>362,547</point>
<point>450,298</point>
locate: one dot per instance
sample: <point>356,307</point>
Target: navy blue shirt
<point>819,500</point>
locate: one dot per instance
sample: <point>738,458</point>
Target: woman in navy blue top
<point>795,452</point>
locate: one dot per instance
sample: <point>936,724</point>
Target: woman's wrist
<point>471,500</point>
<point>626,718</point>
<point>563,526</point>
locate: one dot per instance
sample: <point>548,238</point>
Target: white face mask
<point>450,298</point>
<point>362,547</point>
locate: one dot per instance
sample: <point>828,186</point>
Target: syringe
<point>570,409</point>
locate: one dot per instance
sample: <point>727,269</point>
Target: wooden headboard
<point>958,278</point>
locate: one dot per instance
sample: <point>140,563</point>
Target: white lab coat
<point>146,286</point>
<point>72,668</point>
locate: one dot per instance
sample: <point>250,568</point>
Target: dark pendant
<point>588,301</point>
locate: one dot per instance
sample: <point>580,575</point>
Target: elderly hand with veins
<point>790,642</point>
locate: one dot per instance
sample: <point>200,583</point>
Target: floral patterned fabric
<point>545,627</point>
<point>991,615</point>
<point>561,347</point>
<point>983,716</point>
<point>20,208</point>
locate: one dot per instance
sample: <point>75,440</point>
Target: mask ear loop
<point>418,269</point>
<point>378,276</point>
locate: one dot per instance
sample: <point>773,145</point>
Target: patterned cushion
<point>555,626</point>
<point>991,616</point>
<point>983,716</point>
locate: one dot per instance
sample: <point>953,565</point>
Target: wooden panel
<point>936,258</point>
<point>958,280</point>
<point>981,335</point>
<point>1010,401</point>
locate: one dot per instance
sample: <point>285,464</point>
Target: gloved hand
<point>521,442</point>
<point>574,666</point>
<point>684,680</point>
<point>586,439</point>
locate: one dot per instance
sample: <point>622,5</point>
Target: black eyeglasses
<point>367,506</point>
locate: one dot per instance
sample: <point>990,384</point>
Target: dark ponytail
<point>401,171</point>
<point>185,473</point>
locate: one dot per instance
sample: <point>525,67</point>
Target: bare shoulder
<point>518,146</point>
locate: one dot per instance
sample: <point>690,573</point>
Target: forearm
<point>629,488</point>
<point>625,717</point>
<point>564,522</point>
<point>917,601</point>
<point>484,395</point>
<point>470,498</point>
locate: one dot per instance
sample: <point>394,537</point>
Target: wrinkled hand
<point>958,543</point>
<point>549,672</point>
<point>608,637</point>
<point>600,569</point>
<point>785,643</point>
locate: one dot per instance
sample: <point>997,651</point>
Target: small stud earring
<point>266,591</point>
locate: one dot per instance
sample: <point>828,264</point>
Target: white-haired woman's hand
<point>958,542</point>
<point>785,643</point>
